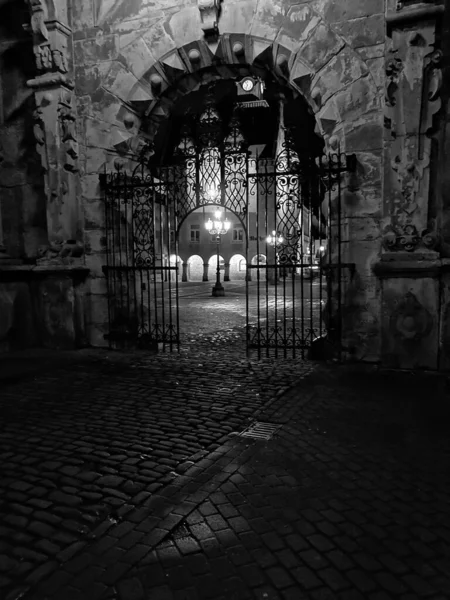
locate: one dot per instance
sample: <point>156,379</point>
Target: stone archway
<point>311,58</point>
<point>310,51</point>
<point>334,80</point>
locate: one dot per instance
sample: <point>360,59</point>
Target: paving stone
<point>361,580</point>
<point>131,589</point>
<point>47,547</point>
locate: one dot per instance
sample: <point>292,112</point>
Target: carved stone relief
<point>411,321</point>
<point>413,83</point>
<point>55,130</point>
<point>67,119</point>
<point>39,135</point>
<point>407,238</point>
<point>51,60</point>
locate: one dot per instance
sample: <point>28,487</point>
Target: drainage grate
<point>260,431</point>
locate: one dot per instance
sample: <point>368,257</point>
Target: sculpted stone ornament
<point>38,16</point>
<point>410,321</point>
<point>55,127</point>
<point>413,84</point>
<point>39,136</point>
<point>393,69</point>
<point>430,237</point>
<point>67,118</point>
<point>209,14</point>
<point>57,251</point>
<point>50,60</point>
<point>408,239</point>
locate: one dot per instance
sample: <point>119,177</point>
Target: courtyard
<point>212,474</point>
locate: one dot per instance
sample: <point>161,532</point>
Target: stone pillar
<point>5,259</point>
<point>408,269</point>
<point>205,271</point>
<point>184,276</point>
<point>55,130</point>
<point>226,275</point>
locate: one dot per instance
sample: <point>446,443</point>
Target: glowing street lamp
<point>275,239</point>
<point>218,228</point>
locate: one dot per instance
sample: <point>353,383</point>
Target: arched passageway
<point>259,162</point>
<point>238,267</point>
<point>195,268</point>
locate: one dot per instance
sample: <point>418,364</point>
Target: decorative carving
<point>413,83</point>
<point>432,84</point>
<point>430,236</point>
<point>67,119</point>
<point>209,14</point>
<point>59,250</point>
<point>39,135</point>
<point>401,238</point>
<point>407,238</point>
<point>38,25</point>
<point>394,67</point>
<point>50,60</point>
<point>410,321</point>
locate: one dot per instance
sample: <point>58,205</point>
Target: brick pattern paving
<point>328,509</point>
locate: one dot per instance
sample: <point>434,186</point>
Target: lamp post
<point>218,228</point>
<point>274,240</point>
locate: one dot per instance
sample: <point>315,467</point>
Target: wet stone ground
<point>83,446</point>
<point>122,476</point>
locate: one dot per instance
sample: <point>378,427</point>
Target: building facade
<point>86,85</point>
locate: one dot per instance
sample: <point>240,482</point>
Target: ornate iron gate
<point>297,296</point>
<point>140,220</point>
<point>290,207</point>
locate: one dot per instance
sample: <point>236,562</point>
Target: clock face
<point>247,85</point>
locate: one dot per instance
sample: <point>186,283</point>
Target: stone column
<point>184,275</point>
<point>55,130</point>
<point>410,254</point>
<point>205,271</point>
<point>226,275</point>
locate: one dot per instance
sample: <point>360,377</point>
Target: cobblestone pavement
<point>122,477</point>
<point>85,444</point>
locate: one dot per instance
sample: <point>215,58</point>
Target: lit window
<point>195,233</point>
<point>238,235</point>
<point>242,264</point>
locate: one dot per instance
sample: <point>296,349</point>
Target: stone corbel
<point>209,15</point>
